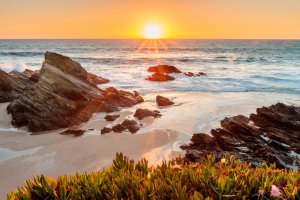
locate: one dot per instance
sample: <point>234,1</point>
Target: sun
<point>152,31</point>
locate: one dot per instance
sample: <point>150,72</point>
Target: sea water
<point>230,65</point>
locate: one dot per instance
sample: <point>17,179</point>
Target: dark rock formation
<point>111,118</point>
<point>163,101</point>
<point>12,85</point>
<point>119,128</point>
<point>64,97</point>
<point>272,134</point>
<point>201,74</point>
<point>142,113</point>
<point>73,132</point>
<point>131,125</point>
<point>105,130</point>
<point>96,80</point>
<point>189,73</point>
<point>164,69</point>
<point>160,77</point>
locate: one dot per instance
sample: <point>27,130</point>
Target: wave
<point>275,79</point>
<point>22,54</point>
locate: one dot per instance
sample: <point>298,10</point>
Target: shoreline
<point>24,155</point>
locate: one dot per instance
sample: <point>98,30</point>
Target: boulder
<point>119,128</point>
<point>111,118</point>
<point>272,135</point>
<point>142,113</point>
<point>164,69</point>
<point>64,97</point>
<point>163,101</point>
<point>201,74</point>
<point>131,125</point>
<point>105,130</point>
<point>160,77</point>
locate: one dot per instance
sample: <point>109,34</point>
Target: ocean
<point>230,65</point>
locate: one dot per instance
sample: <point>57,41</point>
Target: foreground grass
<point>228,179</point>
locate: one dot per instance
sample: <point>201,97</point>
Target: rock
<point>201,74</point>
<point>119,128</point>
<point>160,77</point>
<point>189,74</point>
<point>96,80</point>
<point>73,132</point>
<point>63,97</point>
<point>272,134</point>
<point>105,130</point>
<point>13,85</point>
<point>131,125</point>
<point>111,117</point>
<point>163,101</point>
<point>142,113</point>
<point>164,69</point>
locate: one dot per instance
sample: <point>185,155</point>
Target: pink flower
<point>275,191</point>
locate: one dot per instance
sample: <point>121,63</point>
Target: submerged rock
<point>160,77</point>
<point>164,69</point>
<point>73,132</point>
<point>189,73</point>
<point>163,101</point>
<point>64,97</point>
<point>131,125</point>
<point>272,134</point>
<point>142,113</point>
<point>105,130</point>
<point>201,74</point>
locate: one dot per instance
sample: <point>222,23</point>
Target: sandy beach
<point>24,155</point>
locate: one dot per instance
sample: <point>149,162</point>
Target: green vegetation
<point>176,179</point>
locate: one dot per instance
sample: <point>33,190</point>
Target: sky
<point>190,19</point>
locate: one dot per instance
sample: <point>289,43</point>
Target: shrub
<point>176,179</point>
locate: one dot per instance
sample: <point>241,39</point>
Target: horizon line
<point>149,39</point>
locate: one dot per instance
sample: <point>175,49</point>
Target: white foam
<point>8,67</point>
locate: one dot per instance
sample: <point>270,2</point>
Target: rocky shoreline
<point>271,135</point>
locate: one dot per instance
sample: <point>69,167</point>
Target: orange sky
<point>126,18</point>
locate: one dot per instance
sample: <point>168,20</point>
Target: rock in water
<point>160,77</point>
<point>12,85</point>
<point>163,101</point>
<point>142,113</point>
<point>164,69</point>
<point>111,118</point>
<point>272,134</point>
<point>64,97</point>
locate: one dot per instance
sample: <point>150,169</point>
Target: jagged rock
<point>189,73</point>
<point>105,130</point>
<point>119,128</point>
<point>164,69</point>
<point>142,113</point>
<point>131,125</point>
<point>272,134</point>
<point>111,118</point>
<point>160,77</point>
<point>12,85</point>
<point>163,101</point>
<point>73,132</point>
<point>201,74</point>
<point>63,97</point>
<point>92,78</point>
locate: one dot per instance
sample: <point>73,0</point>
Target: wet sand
<point>23,155</point>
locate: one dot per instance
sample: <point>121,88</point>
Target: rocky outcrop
<point>142,113</point>
<point>272,134</point>
<point>160,77</point>
<point>63,97</point>
<point>164,69</point>
<point>163,101</point>
<point>13,85</point>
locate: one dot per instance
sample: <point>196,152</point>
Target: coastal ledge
<point>64,95</point>
<point>271,135</point>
